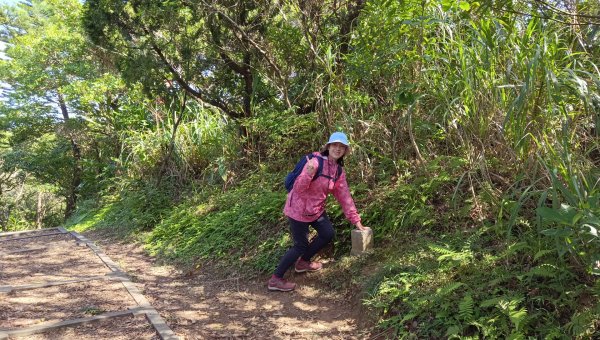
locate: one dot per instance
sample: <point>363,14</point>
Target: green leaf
<point>449,288</point>
<point>465,6</point>
<point>447,4</point>
<point>490,302</point>
<point>560,233</point>
<point>544,270</point>
<point>564,216</point>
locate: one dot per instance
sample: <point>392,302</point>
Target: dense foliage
<point>474,124</point>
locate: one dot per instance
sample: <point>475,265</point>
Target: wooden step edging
<point>107,261</point>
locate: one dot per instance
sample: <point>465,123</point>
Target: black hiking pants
<point>302,247</point>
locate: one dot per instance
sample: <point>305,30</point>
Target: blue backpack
<point>291,177</point>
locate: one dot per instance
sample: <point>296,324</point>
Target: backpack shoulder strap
<point>339,172</point>
<point>320,168</point>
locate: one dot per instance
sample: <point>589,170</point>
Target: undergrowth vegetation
<point>241,227</point>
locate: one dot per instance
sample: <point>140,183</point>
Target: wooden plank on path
<point>7,332</point>
<point>11,233</point>
<point>8,239</point>
<point>111,277</point>
<point>17,251</point>
<point>153,317</point>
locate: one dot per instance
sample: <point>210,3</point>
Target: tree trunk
<point>73,189</point>
<point>413,142</point>
<point>39,212</point>
<point>167,158</point>
<point>4,218</point>
<point>3,210</point>
<point>248,86</point>
<point>20,193</point>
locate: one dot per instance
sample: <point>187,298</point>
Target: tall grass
<point>204,146</point>
<point>482,83</point>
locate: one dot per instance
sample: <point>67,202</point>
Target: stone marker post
<point>362,240</point>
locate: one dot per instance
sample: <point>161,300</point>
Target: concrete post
<point>362,240</point>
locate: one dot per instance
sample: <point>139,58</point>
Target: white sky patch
<point>9,2</point>
<point>4,87</point>
<point>2,48</point>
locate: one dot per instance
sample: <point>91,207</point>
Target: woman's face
<point>336,150</point>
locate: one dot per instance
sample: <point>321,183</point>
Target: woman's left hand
<point>359,226</point>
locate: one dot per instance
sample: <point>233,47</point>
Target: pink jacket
<point>306,201</point>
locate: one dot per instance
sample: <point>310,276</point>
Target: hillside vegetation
<point>474,130</point>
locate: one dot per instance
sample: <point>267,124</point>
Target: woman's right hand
<point>310,168</point>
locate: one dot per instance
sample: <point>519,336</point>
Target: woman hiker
<point>305,206</point>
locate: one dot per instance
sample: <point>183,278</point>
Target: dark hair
<point>325,152</point>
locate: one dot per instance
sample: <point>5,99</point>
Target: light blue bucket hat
<point>339,137</point>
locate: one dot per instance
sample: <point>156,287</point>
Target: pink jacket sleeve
<point>341,192</point>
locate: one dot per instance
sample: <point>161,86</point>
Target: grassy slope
<point>442,266</point>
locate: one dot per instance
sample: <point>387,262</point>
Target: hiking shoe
<point>276,283</point>
<point>310,266</point>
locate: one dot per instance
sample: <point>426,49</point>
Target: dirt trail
<point>58,285</point>
<point>205,306</point>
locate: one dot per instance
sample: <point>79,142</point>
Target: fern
<point>543,253</point>
<point>582,325</point>
<point>490,302</point>
<point>453,331</point>
<point>465,308</point>
<point>516,316</point>
<point>449,288</point>
<point>440,250</point>
<point>543,270</point>
<point>464,256</point>
<point>596,288</point>
<point>516,336</point>
<point>516,247</point>
<point>408,317</point>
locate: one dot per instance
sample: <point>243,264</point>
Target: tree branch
<point>186,86</point>
<point>561,11</point>
<point>543,17</point>
<point>247,38</point>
